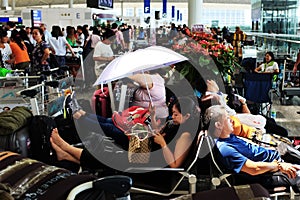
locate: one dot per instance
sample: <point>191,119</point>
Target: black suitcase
<point>17,141</point>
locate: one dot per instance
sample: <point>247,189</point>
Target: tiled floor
<point>287,115</point>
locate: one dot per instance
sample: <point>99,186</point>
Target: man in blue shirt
<point>241,156</point>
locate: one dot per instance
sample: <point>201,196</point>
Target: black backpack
<point>41,127</point>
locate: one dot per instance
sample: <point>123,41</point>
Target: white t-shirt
<point>269,67</point>
<point>6,52</point>
<point>103,50</point>
<point>59,45</point>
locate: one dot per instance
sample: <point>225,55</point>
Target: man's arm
<point>256,168</point>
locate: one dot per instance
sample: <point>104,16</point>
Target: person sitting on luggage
<point>185,115</point>
<point>269,65</point>
<point>241,156</point>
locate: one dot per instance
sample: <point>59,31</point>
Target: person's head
<point>108,36</point>
<point>10,25</point>
<point>43,26</point>
<point>114,26</point>
<point>28,30</point>
<point>6,108</point>
<point>79,29</point>
<point>15,36</point>
<point>3,36</point>
<point>269,56</point>
<point>37,34</point>
<point>56,31</point>
<point>217,121</point>
<point>184,109</point>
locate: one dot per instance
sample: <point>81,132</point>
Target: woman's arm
<point>70,48</point>
<point>175,159</point>
<point>45,56</point>
<point>296,63</point>
<point>142,80</point>
<point>258,69</point>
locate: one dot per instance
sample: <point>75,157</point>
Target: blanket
<point>14,119</point>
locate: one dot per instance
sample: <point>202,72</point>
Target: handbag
<point>139,145</point>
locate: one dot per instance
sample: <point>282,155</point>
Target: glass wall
<point>280,16</point>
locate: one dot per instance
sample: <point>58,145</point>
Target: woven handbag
<point>139,148</point>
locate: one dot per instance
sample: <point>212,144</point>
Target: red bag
<point>101,103</point>
<point>128,118</point>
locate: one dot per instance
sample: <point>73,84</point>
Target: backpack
<point>41,127</point>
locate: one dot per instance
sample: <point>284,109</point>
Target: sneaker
<point>66,106</point>
<point>69,107</point>
<point>75,102</point>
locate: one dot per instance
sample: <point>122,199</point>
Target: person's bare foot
<point>57,140</point>
<point>82,112</point>
<point>61,154</point>
<point>77,115</point>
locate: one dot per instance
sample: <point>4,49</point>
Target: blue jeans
<point>91,122</point>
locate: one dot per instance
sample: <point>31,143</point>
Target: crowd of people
<point>30,48</point>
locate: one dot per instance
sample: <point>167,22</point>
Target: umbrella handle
<point>147,87</point>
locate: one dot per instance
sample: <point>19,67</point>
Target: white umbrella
<point>150,58</point>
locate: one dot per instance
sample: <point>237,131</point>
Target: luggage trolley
<point>9,88</point>
<point>290,85</point>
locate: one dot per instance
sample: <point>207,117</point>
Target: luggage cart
<point>290,85</point>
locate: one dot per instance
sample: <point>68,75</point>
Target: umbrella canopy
<point>150,58</point>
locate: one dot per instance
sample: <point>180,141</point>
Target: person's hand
<point>212,86</point>
<point>295,69</point>
<point>159,139</point>
<point>155,123</point>
<point>213,97</point>
<point>289,169</point>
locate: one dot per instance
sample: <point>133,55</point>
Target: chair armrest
<point>118,185</point>
<point>146,169</point>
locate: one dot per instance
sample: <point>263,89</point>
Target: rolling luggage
<point>101,103</point>
<point>41,127</point>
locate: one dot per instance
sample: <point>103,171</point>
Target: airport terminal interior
<point>153,99</point>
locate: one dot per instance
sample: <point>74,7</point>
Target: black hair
<point>108,34</point>
<point>271,54</point>
<point>3,33</point>
<point>56,32</point>
<point>16,37</point>
<point>114,26</point>
<point>187,105</point>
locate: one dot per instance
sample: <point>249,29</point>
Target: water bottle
<point>273,113</point>
<point>117,92</point>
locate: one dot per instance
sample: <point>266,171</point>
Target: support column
<point>4,5</point>
<point>71,3</point>
<point>195,8</point>
<point>13,5</point>
<point>122,7</point>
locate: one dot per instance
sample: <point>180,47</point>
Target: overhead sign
<point>164,11</point>
<point>198,28</point>
<point>36,17</point>
<point>147,6</point>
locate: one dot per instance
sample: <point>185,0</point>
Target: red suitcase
<point>101,103</point>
